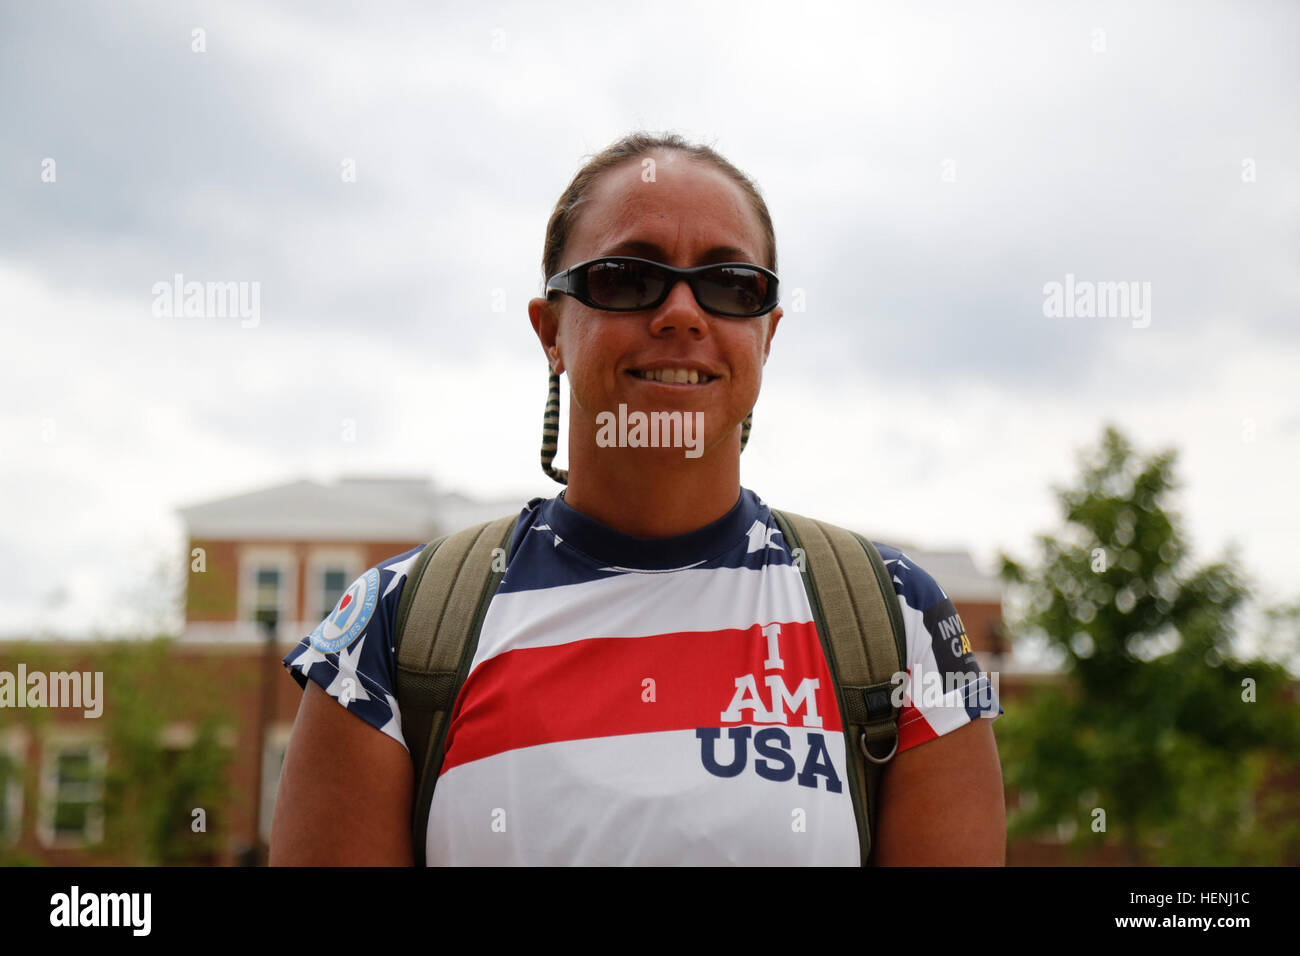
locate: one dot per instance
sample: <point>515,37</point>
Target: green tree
<point>1155,721</point>
<point>151,790</point>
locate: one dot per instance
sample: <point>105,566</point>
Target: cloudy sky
<point>385,171</point>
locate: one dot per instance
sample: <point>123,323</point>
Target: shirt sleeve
<point>945,687</point>
<point>350,653</point>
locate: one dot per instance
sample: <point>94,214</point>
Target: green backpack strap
<point>439,617</point>
<point>857,615</point>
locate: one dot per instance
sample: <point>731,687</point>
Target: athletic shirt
<point>659,701</point>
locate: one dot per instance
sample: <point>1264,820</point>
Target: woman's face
<point>690,215</point>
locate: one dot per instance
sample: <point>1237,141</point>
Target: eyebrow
<point>650,250</point>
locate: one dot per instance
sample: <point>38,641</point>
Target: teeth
<point>678,376</point>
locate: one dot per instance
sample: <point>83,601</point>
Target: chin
<point>659,430</point>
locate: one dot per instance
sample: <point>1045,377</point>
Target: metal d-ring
<point>862,740</point>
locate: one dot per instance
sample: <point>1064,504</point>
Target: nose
<point>680,313</point>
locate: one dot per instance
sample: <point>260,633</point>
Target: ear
<point>546,323</point>
<point>773,318</point>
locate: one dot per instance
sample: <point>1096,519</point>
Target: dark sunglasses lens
<point>623,285</point>
<point>733,290</point>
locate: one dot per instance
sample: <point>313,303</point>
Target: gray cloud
<point>1117,165</point>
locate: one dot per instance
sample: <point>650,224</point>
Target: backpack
<point>854,606</point>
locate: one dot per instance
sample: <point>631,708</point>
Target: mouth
<point>672,376</point>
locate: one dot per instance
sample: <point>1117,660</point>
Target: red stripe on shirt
<point>913,728</point>
<point>595,688</point>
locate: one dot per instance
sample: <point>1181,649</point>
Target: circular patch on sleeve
<point>350,616</point>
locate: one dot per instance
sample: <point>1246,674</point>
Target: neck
<point>652,492</point>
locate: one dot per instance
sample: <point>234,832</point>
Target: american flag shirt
<point>645,701</point>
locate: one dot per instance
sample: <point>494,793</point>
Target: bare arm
<point>941,803</point>
<point>345,792</point>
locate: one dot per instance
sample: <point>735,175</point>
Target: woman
<point>636,618</point>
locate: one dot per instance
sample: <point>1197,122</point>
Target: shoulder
<point>936,634</point>
<point>945,687</point>
<point>913,584</point>
<point>349,654</point>
<point>932,620</point>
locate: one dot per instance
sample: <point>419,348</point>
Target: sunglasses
<point>626,284</point>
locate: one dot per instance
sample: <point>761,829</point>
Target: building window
<point>73,791</point>
<point>333,581</point>
<point>276,746</point>
<point>268,588</point>
<point>11,790</point>
<point>267,592</point>
<point>329,571</point>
